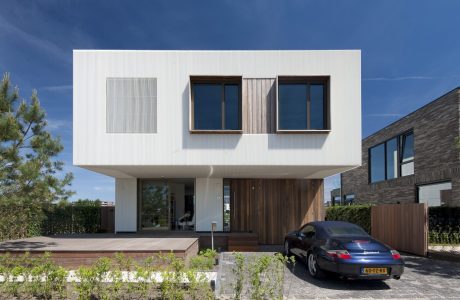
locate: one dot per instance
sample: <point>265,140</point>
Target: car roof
<point>328,224</point>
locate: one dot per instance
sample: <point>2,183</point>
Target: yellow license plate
<point>380,271</point>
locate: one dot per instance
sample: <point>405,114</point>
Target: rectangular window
<point>302,103</point>
<point>436,194</point>
<point>215,103</point>
<point>392,158</point>
<point>227,199</point>
<point>377,163</point>
<point>407,154</point>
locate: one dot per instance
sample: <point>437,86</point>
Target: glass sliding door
<point>154,212</point>
<point>167,204</point>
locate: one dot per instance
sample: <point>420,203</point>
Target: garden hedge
<point>19,220</point>
<point>357,214</point>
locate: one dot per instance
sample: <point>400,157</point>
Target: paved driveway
<point>422,279</point>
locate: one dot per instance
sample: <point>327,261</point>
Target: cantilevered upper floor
<point>280,114</point>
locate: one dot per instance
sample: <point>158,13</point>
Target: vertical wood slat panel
<point>402,226</point>
<point>273,207</point>
<point>258,105</point>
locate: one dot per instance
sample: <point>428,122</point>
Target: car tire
<point>287,248</point>
<point>313,268</point>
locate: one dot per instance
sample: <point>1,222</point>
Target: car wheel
<point>287,248</point>
<point>313,268</point>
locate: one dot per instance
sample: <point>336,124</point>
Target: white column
<point>209,203</point>
<point>125,205</point>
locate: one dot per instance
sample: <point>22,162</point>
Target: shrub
<point>356,214</point>
<point>444,225</point>
<point>204,260</point>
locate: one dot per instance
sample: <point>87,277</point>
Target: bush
<point>19,219</point>
<point>32,277</point>
<point>82,216</point>
<point>444,225</point>
<point>356,214</point>
<point>204,260</point>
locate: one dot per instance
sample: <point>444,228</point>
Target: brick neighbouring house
<point>391,172</point>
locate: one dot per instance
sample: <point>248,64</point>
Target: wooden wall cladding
<point>273,207</point>
<point>259,105</point>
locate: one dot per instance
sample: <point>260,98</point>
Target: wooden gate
<point>402,226</point>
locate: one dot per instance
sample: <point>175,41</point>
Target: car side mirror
<point>300,235</point>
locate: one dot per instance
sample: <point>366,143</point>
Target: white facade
<point>173,152</point>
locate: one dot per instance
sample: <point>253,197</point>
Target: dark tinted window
<point>207,106</point>
<point>232,107</point>
<point>302,103</point>
<point>408,147</point>
<point>292,106</point>
<point>392,158</point>
<point>377,163</point>
<point>317,106</point>
<point>216,103</point>
<point>345,230</point>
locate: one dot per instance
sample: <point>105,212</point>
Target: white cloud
<point>54,124</point>
<point>42,44</point>
<point>57,88</point>
<point>385,115</point>
<point>398,78</point>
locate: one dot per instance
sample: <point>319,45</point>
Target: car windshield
<point>345,230</point>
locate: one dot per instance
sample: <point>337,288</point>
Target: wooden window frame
<point>308,80</point>
<point>223,80</point>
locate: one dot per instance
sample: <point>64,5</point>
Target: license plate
<point>379,271</point>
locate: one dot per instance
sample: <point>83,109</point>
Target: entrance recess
<point>167,204</point>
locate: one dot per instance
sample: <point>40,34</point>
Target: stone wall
<point>435,127</point>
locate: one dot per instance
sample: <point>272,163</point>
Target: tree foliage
<point>29,170</point>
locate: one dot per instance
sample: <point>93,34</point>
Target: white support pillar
<point>209,203</point>
<point>125,205</point>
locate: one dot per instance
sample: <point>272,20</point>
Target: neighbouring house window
<point>216,103</point>
<point>349,199</point>
<point>392,158</point>
<point>407,157</point>
<point>377,154</point>
<point>227,199</point>
<point>302,103</point>
<point>435,194</point>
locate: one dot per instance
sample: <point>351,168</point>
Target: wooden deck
<point>75,250</point>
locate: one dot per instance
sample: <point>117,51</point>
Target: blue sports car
<point>343,248</point>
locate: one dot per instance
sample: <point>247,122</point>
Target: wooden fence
<point>402,226</point>
<point>108,219</point>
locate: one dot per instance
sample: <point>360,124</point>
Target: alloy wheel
<point>312,264</point>
<point>286,248</point>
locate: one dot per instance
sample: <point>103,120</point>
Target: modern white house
<point>240,138</point>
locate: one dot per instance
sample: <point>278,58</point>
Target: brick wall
<point>435,127</point>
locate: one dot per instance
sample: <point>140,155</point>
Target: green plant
<point>198,285</point>
<point>204,260</point>
<point>356,214</point>
<point>238,274</point>
<point>172,284</point>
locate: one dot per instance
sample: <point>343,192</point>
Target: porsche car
<point>345,249</point>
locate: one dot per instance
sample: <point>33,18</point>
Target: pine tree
<point>29,170</point>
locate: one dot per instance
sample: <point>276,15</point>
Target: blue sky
<point>410,49</point>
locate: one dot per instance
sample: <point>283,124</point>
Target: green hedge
<point>444,225</point>
<point>84,216</point>
<point>357,214</point>
<point>20,219</point>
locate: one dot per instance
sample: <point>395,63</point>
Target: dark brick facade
<point>435,127</point>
